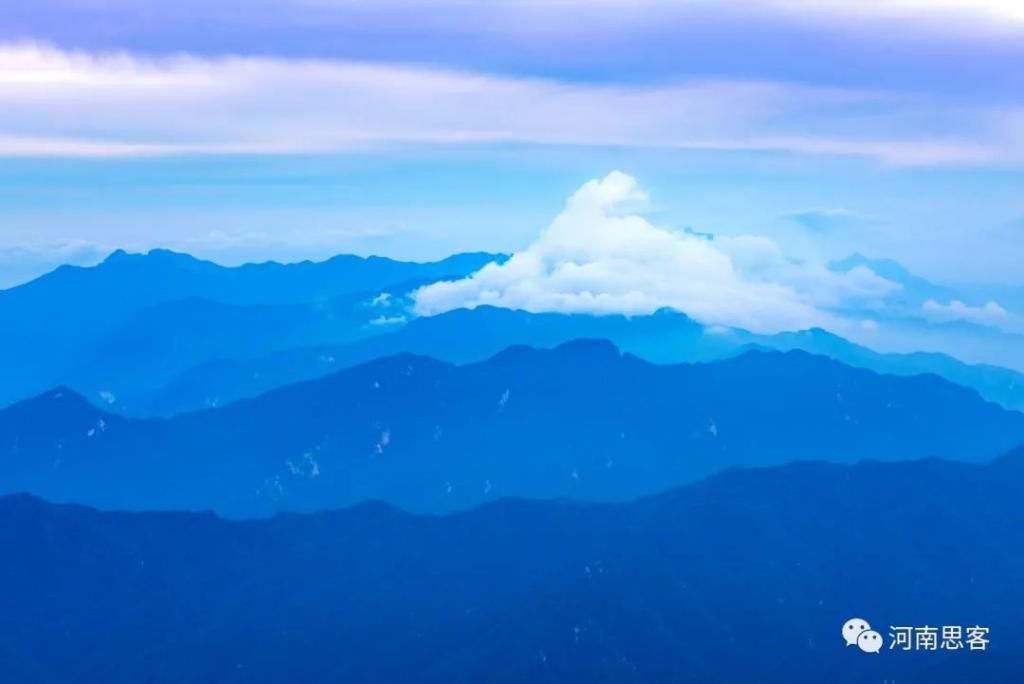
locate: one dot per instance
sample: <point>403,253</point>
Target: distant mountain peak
<point>59,403</point>
<point>61,393</point>
<point>887,268</point>
<point>817,333</point>
<point>669,312</point>
<point>573,351</point>
<point>914,288</point>
<point>156,255</point>
<point>164,253</point>
<point>115,256</point>
<point>591,348</point>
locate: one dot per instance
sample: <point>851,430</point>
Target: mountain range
<point>165,333</point>
<point>540,497</point>
<point>746,577</point>
<point>75,324</point>
<point>582,421</point>
<point>473,335</point>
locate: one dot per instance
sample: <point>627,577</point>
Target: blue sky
<point>302,128</point>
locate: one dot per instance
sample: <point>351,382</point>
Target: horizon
<point>890,129</point>
<point>624,155</point>
<point>1001,349</point>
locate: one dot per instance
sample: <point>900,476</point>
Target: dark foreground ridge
<point>747,577</point>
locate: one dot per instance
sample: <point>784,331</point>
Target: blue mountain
<point>995,383</point>
<point>746,577</point>
<point>914,290</point>
<point>155,345</point>
<point>468,336</point>
<point>460,336</point>
<point>908,325</point>
<point>61,323</point>
<point>164,333</point>
<point>581,421</point>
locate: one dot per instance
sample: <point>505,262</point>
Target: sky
<point>290,129</point>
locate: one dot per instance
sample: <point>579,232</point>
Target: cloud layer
<point>990,313</point>
<point>61,103</point>
<point>600,256</point>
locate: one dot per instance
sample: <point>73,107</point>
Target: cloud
<point>78,104</point>
<point>988,10</point>
<point>990,313</point>
<point>20,264</point>
<point>597,257</point>
<point>761,259</point>
<point>830,220</point>
<point>239,10</point>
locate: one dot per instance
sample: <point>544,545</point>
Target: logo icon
<point>853,628</point>
<point>857,632</point>
<point>870,641</point>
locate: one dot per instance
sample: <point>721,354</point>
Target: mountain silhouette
<point>56,325</point>
<point>467,336</point>
<point>746,577</point>
<point>155,345</point>
<point>164,333</point>
<point>581,421</point>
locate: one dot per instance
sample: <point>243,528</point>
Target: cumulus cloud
<point>80,104</point>
<point>990,313</point>
<point>600,256</point>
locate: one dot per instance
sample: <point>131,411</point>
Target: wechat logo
<point>857,632</point>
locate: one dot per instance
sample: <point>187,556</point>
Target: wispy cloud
<point>990,313</point>
<point>989,10</point>
<point>61,103</point>
<point>829,220</point>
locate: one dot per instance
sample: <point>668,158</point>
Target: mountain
<point>163,333</point>
<point>460,336</point>
<point>1001,385</point>
<point>914,290</point>
<point>905,322</point>
<point>50,321</point>
<point>580,421</point>
<point>156,344</point>
<point>131,281</point>
<point>468,336</point>
<point>746,577</point>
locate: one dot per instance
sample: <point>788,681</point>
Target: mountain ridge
<point>766,562</point>
<point>471,335</point>
<point>582,421</point>
<point>53,319</point>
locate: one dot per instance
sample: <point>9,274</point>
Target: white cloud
<point>759,258</point>
<point>999,10</point>
<point>596,257</point>
<point>62,103</point>
<point>19,264</point>
<point>1003,10</point>
<point>988,314</point>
